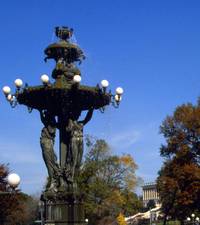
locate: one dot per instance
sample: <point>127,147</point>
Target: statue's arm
<point>42,117</point>
<point>88,116</point>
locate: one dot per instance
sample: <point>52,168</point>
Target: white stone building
<point>149,191</point>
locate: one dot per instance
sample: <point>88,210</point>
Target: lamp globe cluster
<point>115,99</point>
<point>118,92</point>
<point>193,219</point>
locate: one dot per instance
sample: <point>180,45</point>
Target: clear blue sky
<point>150,48</point>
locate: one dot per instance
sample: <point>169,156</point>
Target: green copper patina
<point>60,105</point>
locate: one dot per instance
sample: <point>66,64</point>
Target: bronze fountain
<point>60,105</point>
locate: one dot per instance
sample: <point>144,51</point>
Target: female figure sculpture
<point>47,144</point>
<point>75,150</point>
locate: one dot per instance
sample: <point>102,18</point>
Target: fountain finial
<point>64,33</point>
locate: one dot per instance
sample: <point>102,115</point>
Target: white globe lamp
<point>13,180</point>
<point>119,91</point>
<point>104,83</point>
<point>118,98</point>
<point>6,90</point>
<point>18,83</point>
<point>45,79</point>
<point>9,97</point>
<point>77,79</point>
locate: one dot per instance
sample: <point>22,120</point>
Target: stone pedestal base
<point>63,213</point>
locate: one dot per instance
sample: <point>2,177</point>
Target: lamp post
<point>41,212</point>
<point>60,104</point>
<point>13,180</point>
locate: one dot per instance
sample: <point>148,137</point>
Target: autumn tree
<point>179,178</point>
<point>16,207</point>
<point>4,203</point>
<point>107,181</point>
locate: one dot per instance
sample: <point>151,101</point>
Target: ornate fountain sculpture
<point>60,105</point>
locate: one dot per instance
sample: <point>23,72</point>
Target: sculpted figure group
<point>62,176</point>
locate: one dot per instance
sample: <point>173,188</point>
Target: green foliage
<point>132,203</point>
<point>108,182</point>
<point>179,178</point>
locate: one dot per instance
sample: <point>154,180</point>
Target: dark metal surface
<point>54,98</point>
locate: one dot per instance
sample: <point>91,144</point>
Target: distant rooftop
<point>149,184</point>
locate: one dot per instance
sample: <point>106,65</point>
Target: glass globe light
<point>193,215</point>
<point>6,90</point>
<point>45,79</point>
<point>9,97</point>
<point>118,98</point>
<point>119,91</point>
<point>104,83</point>
<point>86,220</point>
<point>77,78</point>
<point>13,180</point>
<point>14,98</point>
<point>18,83</point>
<point>197,218</point>
<point>188,219</point>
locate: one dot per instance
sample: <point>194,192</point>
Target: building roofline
<point>149,184</point>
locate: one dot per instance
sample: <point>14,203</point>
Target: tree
<point>132,203</point>
<point>179,188</point>
<point>107,181</point>
<point>4,203</point>
<point>16,207</point>
<point>24,212</point>
<point>179,178</point>
<point>182,133</point>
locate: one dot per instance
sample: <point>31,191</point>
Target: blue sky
<point>150,48</point>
